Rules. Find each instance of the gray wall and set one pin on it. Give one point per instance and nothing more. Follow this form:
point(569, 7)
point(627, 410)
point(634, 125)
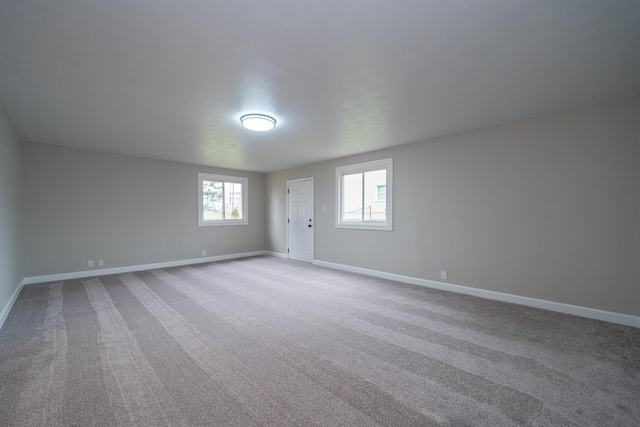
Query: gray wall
point(545, 208)
point(84, 205)
point(12, 254)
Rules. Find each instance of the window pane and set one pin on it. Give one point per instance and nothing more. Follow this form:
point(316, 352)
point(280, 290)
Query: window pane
point(365, 195)
point(211, 200)
point(222, 200)
point(374, 208)
point(352, 197)
point(233, 200)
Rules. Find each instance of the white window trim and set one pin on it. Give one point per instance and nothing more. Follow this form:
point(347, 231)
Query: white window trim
point(364, 167)
point(224, 178)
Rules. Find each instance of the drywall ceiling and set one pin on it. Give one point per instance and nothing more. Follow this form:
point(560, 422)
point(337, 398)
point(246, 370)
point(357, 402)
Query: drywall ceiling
point(169, 79)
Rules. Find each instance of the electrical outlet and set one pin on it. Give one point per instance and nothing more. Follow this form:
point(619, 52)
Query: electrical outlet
point(443, 275)
point(90, 264)
point(100, 263)
point(204, 253)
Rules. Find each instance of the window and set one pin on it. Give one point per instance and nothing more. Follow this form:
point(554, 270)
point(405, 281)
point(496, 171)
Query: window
point(364, 195)
point(222, 200)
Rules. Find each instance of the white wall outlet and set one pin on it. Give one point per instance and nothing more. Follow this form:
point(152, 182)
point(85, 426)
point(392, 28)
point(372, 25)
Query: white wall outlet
point(204, 253)
point(90, 264)
point(443, 275)
point(100, 263)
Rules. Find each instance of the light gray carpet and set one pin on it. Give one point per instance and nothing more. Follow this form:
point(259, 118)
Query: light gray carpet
point(267, 341)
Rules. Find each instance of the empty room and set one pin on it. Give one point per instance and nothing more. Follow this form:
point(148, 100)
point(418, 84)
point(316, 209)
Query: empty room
point(334, 213)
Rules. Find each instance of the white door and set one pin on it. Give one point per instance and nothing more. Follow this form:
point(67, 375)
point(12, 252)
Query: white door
point(300, 224)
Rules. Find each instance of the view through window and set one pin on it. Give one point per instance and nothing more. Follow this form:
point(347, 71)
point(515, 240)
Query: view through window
point(222, 199)
point(363, 195)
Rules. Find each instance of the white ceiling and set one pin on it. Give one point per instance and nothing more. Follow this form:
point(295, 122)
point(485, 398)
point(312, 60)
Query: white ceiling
point(169, 79)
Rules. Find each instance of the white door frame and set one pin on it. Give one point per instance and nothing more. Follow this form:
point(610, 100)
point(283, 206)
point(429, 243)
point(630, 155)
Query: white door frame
point(313, 221)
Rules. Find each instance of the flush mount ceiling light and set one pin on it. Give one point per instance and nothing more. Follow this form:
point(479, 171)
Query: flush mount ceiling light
point(258, 122)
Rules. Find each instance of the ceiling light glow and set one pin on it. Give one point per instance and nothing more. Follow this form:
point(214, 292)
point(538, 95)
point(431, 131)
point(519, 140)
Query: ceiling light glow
point(258, 122)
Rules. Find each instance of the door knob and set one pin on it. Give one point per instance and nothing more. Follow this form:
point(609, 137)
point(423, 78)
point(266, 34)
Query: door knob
point(309, 225)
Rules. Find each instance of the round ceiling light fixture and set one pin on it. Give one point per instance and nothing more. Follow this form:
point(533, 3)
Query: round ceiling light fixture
point(258, 122)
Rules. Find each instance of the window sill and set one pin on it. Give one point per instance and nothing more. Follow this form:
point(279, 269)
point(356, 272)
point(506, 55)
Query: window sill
point(221, 223)
point(360, 226)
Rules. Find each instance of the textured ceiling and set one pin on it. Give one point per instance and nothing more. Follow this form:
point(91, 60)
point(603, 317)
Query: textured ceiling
point(169, 80)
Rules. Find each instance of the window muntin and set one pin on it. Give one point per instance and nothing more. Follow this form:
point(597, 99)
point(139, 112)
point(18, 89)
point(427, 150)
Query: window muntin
point(222, 200)
point(364, 196)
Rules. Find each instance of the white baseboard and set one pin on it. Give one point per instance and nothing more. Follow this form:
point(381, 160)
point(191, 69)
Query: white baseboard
point(276, 254)
point(7, 308)
point(591, 313)
point(128, 269)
